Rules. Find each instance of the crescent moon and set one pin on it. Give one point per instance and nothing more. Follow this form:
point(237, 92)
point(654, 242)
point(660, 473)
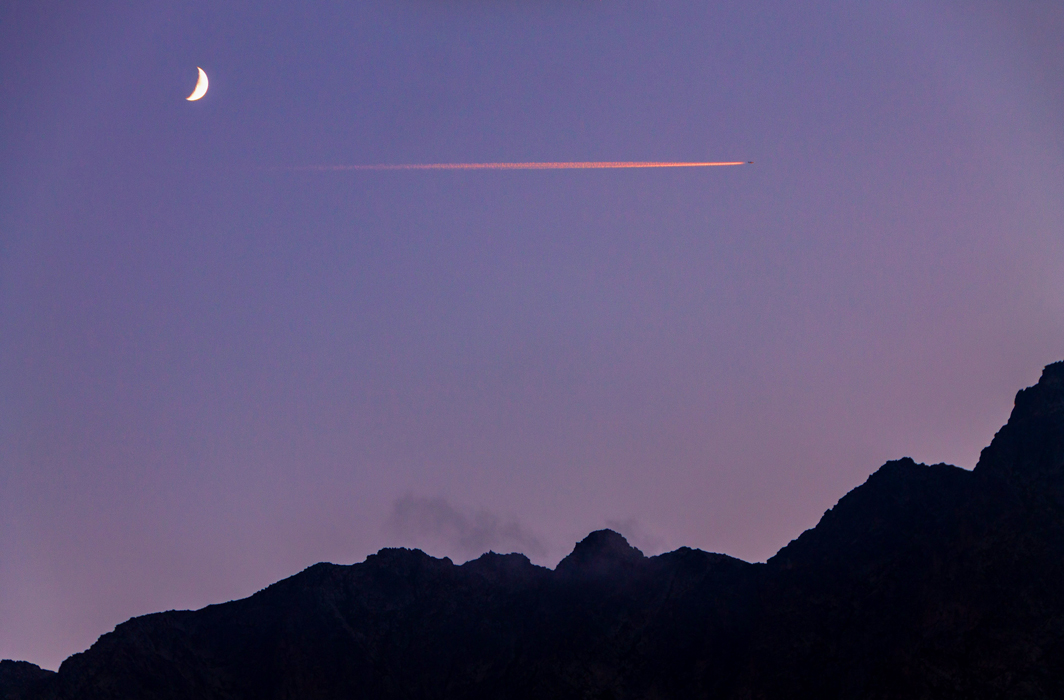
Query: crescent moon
point(201, 86)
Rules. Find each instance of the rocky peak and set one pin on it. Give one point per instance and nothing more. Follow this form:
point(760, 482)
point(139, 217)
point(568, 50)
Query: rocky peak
point(503, 569)
point(1029, 451)
point(602, 553)
point(19, 677)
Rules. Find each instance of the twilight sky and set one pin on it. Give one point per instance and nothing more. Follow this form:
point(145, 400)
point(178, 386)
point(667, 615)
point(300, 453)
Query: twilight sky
point(215, 372)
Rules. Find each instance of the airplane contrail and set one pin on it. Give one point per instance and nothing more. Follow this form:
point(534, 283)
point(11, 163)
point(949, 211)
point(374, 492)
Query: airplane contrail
point(519, 166)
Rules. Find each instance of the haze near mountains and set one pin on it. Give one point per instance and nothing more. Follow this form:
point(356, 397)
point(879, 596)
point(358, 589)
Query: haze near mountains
point(924, 582)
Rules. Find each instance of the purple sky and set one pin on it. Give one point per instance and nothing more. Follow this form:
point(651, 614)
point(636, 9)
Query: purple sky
point(214, 372)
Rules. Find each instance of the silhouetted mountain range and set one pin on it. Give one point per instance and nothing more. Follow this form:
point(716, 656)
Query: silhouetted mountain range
point(924, 582)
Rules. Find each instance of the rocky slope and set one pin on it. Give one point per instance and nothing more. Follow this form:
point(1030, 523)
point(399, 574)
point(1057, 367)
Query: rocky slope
point(924, 582)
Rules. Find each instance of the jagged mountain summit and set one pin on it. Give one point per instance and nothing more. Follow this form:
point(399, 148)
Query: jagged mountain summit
point(923, 582)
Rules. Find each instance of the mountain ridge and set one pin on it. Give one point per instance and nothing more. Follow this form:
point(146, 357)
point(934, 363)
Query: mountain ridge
point(926, 581)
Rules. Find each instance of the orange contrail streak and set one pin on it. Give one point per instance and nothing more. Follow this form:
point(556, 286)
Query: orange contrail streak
point(520, 166)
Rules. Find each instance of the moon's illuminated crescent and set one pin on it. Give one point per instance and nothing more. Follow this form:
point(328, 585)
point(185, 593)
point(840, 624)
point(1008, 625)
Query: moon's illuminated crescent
point(201, 86)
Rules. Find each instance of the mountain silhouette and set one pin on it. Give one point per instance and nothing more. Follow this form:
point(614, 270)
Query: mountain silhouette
point(923, 582)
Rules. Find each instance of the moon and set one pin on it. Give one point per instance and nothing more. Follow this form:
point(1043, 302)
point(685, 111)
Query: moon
point(201, 86)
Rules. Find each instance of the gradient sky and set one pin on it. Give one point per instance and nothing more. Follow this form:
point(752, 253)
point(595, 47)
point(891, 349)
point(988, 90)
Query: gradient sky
point(215, 371)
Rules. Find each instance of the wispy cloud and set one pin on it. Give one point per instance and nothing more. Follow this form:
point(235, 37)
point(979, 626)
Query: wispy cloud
point(421, 521)
point(637, 535)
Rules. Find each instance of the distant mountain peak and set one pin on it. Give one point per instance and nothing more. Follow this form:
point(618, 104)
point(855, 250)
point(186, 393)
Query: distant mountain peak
point(18, 677)
point(602, 552)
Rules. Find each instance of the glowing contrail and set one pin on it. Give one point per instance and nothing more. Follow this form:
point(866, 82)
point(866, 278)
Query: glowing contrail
point(519, 166)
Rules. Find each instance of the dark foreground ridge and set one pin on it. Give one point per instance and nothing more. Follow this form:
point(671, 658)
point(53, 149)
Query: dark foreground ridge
point(923, 582)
